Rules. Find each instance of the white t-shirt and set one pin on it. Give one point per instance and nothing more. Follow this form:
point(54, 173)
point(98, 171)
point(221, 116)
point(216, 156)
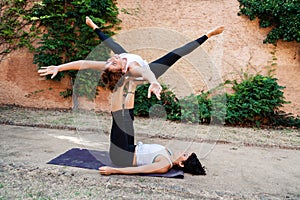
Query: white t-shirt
point(146, 153)
point(133, 58)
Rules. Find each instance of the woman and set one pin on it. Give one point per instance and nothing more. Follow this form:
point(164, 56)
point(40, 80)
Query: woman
point(124, 62)
point(125, 66)
point(142, 158)
point(154, 158)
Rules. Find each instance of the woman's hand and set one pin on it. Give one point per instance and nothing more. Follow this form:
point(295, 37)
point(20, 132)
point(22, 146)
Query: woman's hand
point(48, 70)
point(156, 88)
point(105, 170)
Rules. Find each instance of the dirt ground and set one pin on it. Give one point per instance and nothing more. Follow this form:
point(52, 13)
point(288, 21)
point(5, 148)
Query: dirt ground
point(242, 163)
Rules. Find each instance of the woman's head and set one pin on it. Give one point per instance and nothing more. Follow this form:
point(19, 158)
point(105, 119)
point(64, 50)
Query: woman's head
point(113, 75)
point(190, 164)
point(115, 64)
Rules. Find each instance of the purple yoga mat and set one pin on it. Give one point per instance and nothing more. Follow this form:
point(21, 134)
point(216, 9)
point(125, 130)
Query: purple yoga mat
point(93, 159)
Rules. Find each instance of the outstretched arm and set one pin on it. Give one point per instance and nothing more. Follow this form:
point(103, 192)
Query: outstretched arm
point(158, 167)
point(76, 65)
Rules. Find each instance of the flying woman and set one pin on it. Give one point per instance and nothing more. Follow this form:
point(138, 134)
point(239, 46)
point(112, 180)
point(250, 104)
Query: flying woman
point(119, 72)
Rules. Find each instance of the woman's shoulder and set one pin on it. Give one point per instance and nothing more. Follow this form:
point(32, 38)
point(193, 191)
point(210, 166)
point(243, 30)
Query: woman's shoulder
point(130, 55)
point(164, 159)
point(134, 59)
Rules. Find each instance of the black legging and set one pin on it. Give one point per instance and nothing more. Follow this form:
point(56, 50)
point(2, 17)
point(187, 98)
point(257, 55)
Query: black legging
point(122, 132)
point(122, 146)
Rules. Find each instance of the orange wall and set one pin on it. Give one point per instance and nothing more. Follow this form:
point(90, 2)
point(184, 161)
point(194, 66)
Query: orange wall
point(154, 27)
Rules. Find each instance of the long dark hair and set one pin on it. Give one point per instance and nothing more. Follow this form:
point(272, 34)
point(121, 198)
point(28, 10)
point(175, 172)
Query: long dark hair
point(192, 165)
point(112, 80)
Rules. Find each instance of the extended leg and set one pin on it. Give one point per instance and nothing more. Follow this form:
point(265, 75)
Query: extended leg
point(108, 41)
point(162, 64)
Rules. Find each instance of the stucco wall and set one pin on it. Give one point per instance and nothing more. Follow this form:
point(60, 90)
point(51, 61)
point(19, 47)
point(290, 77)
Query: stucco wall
point(20, 84)
point(152, 28)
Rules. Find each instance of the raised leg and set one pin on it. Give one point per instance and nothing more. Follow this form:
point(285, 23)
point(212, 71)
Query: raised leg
point(108, 41)
point(122, 138)
point(161, 65)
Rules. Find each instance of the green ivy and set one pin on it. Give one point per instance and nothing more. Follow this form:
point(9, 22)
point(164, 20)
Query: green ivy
point(62, 35)
point(68, 38)
point(15, 26)
point(282, 16)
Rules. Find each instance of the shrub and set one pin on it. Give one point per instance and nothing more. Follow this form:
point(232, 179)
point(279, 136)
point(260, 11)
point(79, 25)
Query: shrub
point(255, 99)
point(190, 109)
point(168, 101)
point(218, 108)
point(282, 119)
point(196, 108)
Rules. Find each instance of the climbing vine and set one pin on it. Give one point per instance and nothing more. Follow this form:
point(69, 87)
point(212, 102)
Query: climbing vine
point(15, 26)
point(282, 16)
point(58, 27)
point(68, 38)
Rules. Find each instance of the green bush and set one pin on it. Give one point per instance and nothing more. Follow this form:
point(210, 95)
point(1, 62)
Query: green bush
point(195, 109)
point(282, 119)
point(218, 108)
point(168, 101)
point(282, 16)
point(256, 101)
point(190, 109)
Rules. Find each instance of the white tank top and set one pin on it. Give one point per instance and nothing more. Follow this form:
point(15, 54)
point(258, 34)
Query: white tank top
point(134, 58)
point(146, 153)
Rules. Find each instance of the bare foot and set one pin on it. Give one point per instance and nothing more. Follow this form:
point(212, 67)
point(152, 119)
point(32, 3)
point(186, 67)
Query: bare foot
point(90, 23)
point(215, 31)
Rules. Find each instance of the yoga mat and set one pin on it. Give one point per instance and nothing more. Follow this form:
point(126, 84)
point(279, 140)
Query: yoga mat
point(93, 159)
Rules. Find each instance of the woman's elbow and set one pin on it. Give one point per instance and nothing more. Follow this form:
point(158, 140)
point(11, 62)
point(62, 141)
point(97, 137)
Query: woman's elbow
point(162, 170)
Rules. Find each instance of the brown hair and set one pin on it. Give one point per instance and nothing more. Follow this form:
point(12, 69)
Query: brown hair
point(112, 80)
